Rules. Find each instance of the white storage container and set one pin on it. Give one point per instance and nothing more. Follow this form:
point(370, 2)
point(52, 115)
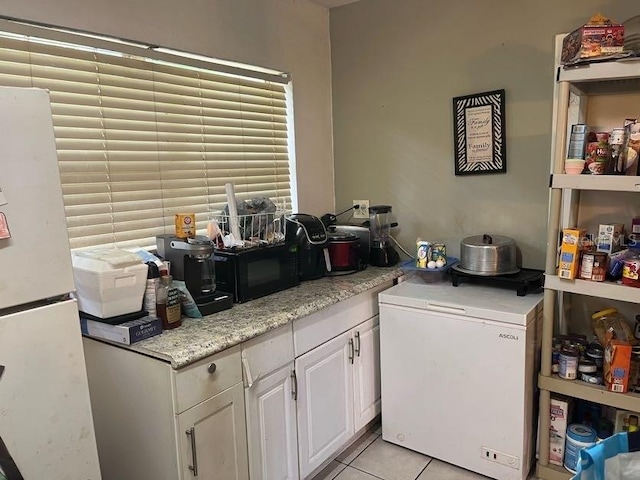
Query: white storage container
point(109, 282)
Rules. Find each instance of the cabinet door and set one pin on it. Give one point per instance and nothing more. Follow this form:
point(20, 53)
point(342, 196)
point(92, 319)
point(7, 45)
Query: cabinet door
point(366, 375)
point(325, 401)
point(271, 427)
point(212, 438)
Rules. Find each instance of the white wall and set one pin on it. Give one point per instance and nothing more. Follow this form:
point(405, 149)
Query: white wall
point(397, 64)
point(288, 35)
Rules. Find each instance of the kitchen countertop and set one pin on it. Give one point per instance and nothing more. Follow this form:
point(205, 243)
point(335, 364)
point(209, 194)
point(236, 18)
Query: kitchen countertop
point(198, 338)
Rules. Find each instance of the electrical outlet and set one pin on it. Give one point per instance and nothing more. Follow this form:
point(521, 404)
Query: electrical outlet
point(501, 458)
point(363, 209)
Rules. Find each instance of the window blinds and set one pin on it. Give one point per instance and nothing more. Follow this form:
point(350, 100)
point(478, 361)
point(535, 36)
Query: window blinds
point(140, 140)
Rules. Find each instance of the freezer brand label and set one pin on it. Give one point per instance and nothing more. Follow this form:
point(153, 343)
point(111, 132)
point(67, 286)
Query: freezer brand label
point(508, 336)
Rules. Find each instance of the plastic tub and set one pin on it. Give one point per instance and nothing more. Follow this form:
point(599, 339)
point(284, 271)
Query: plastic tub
point(578, 437)
point(428, 275)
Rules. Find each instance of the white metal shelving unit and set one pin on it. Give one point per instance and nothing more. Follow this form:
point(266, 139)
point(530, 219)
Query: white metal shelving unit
point(573, 92)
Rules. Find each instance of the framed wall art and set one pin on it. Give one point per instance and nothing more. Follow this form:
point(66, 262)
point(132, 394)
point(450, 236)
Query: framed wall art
point(479, 133)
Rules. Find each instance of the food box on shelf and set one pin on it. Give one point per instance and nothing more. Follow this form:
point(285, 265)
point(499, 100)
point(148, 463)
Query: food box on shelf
point(570, 252)
point(617, 363)
point(609, 237)
point(599, 37)
point(560, 412)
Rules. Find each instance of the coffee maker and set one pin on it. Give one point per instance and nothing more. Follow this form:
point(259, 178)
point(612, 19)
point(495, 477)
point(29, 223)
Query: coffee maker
point(192, 262)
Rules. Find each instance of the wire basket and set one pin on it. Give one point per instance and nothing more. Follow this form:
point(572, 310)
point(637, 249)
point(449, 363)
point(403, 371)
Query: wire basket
point(254, 230)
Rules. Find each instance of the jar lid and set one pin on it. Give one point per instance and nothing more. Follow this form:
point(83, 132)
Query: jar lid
point(587, 366)
point(581, 433)
point(604, 313)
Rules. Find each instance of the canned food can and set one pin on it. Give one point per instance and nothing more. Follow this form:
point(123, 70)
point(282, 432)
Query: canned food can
point(439, 252)
point(593, 266)
point(423, 253)
point(185, 225)
point(568, 365)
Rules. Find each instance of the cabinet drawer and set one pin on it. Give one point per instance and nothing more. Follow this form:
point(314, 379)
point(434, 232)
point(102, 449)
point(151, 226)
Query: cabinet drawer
point(267, 353)
point(319, 327)
point(195, 383)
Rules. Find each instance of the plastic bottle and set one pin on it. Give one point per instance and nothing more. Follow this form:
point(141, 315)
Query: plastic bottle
point(168, 303)
point(153, 280)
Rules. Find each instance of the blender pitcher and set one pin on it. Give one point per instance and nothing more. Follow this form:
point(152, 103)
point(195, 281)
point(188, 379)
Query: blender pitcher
point(382, 254)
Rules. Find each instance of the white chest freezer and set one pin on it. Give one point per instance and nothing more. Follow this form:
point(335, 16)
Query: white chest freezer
point(458, 371)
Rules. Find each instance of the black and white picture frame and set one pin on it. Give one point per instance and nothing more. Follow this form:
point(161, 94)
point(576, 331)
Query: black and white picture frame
point(479, 133)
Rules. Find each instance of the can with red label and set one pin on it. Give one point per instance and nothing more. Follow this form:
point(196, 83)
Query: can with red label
point(631, 270)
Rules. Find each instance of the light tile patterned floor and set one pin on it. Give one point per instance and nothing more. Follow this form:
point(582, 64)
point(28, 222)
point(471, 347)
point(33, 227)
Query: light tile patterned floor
point(371, 458)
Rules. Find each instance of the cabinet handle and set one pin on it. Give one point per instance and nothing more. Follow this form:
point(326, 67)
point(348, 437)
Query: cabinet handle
point(358, 344)
point(212, 368)
point(191, 433)
point(351, 350)
point(294, 385)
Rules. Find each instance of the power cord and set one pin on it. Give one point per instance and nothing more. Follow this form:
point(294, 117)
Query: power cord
point(401, 248)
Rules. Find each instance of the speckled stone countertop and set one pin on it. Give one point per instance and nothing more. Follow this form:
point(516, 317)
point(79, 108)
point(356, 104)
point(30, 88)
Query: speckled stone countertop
point(199, 338)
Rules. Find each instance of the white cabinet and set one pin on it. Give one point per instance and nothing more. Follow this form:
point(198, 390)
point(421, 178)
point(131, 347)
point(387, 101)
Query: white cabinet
point(338, 392)
point(366, 374)
point(213, 441)
point(600, 95)
point(271, 427)
point(270, 393)
point(143, 410)
point(325, 401)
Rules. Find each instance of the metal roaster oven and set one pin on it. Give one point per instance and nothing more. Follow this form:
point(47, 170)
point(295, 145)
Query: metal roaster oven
point(192, 262)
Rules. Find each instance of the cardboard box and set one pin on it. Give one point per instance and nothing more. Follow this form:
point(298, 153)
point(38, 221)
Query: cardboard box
point(560, 412)
point(617, 362)
point(597, 38)
point(570, 252)
point(609, 238)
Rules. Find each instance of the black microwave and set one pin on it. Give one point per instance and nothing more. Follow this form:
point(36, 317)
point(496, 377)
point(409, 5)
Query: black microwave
point(256, 272)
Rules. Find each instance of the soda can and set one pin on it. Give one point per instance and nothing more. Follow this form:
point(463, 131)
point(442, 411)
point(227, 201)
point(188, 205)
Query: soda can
point(423, 254)
point(439, 252)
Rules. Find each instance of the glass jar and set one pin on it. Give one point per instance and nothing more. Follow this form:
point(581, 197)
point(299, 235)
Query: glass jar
point(168, 303)
point(631, 270)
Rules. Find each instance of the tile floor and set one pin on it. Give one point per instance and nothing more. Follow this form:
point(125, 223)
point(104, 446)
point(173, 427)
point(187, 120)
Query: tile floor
point(371, 458)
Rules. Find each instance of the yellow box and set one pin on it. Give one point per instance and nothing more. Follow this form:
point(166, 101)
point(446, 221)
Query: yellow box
point(570, 252)
point(185, 225)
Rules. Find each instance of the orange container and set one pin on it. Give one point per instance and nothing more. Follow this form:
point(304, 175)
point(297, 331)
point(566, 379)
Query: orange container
point(185, 225)
point(617, 363)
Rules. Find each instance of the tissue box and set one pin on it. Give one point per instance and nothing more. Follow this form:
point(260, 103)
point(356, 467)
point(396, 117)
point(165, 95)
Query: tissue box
point(593, 40)
point(109, 282)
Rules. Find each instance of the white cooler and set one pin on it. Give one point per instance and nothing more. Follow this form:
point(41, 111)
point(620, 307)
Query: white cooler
point(109, 282)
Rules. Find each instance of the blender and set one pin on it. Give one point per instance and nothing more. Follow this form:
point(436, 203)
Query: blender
point(382, 253)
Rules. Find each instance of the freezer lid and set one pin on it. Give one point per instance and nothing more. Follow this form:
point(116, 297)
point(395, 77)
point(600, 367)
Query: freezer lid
point(476, 301)
point(36, 261)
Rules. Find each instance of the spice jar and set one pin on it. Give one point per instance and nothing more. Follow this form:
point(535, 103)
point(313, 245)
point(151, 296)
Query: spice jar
point(568, 363)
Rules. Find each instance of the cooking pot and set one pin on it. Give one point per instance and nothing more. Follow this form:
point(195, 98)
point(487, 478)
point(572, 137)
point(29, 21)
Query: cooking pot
point(344, 252)
point(488, 255)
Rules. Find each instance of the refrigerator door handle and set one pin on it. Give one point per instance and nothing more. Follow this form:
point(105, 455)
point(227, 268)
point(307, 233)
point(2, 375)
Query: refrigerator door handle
point(434, 307)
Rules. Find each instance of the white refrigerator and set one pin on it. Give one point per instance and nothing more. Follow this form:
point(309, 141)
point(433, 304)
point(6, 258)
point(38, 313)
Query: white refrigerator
point(45, 412)
point(458, 373)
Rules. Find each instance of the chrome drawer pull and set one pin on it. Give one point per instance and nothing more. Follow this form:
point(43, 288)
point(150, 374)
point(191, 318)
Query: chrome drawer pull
point(191, 433)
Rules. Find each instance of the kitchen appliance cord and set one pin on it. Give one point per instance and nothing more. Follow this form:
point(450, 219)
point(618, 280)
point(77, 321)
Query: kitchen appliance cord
point(400, 247)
